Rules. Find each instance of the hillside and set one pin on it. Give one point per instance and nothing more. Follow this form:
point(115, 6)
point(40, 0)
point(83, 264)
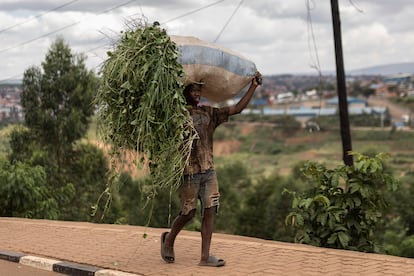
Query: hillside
point(386, 69)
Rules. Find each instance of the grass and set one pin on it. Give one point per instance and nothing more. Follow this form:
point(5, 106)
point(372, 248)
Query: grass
point(266, 151)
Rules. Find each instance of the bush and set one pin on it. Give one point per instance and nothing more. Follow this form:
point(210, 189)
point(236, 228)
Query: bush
point(345, 207)
point(264, 209)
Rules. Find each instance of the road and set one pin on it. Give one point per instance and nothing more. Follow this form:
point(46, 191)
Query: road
point(8, 268)
point(396, 111)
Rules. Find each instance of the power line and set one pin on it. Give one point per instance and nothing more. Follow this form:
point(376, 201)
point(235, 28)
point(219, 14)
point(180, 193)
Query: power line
point(37, 16)
point(172, 19)
point(106, 11)
point(56, 31)
point(311, 38)
point(228, 21)
point(60, 29)
point(193, 11)
point(39, 37)
point(116, 7)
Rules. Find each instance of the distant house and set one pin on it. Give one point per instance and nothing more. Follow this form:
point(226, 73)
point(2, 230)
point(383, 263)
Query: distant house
point(11, 113)
point(356, 106)
point(398, 79)
point(352, 102)
point(382, 90)
point(259, 102)
point(403, 82)
point(285, 97)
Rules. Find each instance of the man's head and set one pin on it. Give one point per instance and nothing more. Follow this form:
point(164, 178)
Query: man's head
point(192, 93)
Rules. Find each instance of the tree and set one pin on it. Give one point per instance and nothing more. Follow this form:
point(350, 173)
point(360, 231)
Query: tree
point(265, 207)
point(57, 99)
point(88, 171)
point(24, 193)
point(234, 181)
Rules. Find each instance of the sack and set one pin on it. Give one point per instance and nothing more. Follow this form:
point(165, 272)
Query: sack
point(223, 72)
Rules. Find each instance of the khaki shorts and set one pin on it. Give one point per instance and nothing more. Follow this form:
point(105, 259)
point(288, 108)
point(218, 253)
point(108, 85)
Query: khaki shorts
point(202, 186)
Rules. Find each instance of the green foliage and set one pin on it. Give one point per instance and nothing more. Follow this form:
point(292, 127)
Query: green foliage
point(24, 192)
point(345, 207)
point(57, 98)
point(394, 234)
point(402, 202)
point(264, 209)
point(88, 172)
point(407, 247)
point(286, 125)
point(361, 90)
point(234, 182)
point(21, 144)
point(140, 210)
point(370, 120)
point(363, 120)
point(141, 105)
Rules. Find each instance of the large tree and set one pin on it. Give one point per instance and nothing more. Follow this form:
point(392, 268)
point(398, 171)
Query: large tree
point(57, 99)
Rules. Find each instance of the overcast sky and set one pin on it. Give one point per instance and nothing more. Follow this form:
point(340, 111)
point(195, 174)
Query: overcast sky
point(279, 36)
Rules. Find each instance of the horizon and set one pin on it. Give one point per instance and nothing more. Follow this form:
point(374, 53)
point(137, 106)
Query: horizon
point(354, 72)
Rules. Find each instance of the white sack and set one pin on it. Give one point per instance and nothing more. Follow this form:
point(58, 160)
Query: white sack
point(223, 72)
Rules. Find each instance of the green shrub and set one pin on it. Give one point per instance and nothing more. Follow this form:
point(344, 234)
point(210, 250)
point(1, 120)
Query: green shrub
point(345, 207)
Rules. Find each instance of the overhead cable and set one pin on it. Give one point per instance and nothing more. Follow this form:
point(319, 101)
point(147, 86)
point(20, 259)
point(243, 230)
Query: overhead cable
point(37, 16)
point(60, 29)
point(193, 11)
point(228, 21)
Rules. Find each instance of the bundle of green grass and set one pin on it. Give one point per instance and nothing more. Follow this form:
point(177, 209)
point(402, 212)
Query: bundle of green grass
point(141, 106)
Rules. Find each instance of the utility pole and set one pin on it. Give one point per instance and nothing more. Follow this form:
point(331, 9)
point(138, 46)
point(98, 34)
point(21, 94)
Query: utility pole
point(341, 86)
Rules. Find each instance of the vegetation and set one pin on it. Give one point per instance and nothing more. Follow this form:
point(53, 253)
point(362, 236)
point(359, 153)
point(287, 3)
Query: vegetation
point(48, 170)
point(46, 173)
point(346, 206)
point(141, 106)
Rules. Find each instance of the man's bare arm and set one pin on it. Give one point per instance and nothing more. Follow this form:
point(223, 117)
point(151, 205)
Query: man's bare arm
point(237, 108)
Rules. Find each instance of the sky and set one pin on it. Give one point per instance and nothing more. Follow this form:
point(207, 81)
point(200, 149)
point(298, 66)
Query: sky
point(279, 36)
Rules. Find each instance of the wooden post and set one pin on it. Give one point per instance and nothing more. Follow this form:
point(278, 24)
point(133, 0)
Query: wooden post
point(341, 86)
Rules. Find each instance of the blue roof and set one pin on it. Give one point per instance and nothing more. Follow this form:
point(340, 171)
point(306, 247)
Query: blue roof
point(350, 100)
point(259, 102)
point(311, 112)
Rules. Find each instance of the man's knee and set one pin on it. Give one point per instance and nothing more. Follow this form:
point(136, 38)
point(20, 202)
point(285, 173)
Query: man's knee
point(190, 215)
point(211, 211)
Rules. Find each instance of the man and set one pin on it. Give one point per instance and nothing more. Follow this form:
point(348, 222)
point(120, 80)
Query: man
point(200, 180)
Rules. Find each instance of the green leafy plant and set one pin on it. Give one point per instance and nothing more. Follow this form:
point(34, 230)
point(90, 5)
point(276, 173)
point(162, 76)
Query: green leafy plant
point(141, 106)
point(346, 205)
point(24, 192)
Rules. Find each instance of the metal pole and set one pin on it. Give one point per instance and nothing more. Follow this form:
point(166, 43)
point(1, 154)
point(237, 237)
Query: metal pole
point(341, 86)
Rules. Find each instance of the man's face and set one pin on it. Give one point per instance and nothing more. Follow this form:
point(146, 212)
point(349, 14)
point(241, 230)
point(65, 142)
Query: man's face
point(194, 95)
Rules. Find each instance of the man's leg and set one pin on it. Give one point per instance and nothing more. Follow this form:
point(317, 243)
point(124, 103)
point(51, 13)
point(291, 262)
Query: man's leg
point(168, 239)
point(188, 191)
point(207, 227)
point(177, 226)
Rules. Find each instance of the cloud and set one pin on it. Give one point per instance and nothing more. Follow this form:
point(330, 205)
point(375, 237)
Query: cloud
point(279, 36)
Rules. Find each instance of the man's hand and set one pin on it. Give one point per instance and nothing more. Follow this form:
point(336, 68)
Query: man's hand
point(257, 80)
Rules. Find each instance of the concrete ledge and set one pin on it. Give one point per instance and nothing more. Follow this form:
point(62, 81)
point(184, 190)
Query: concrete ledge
point(10, 256)
point(109, 272)
point(73, 269)
point(37, 262)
